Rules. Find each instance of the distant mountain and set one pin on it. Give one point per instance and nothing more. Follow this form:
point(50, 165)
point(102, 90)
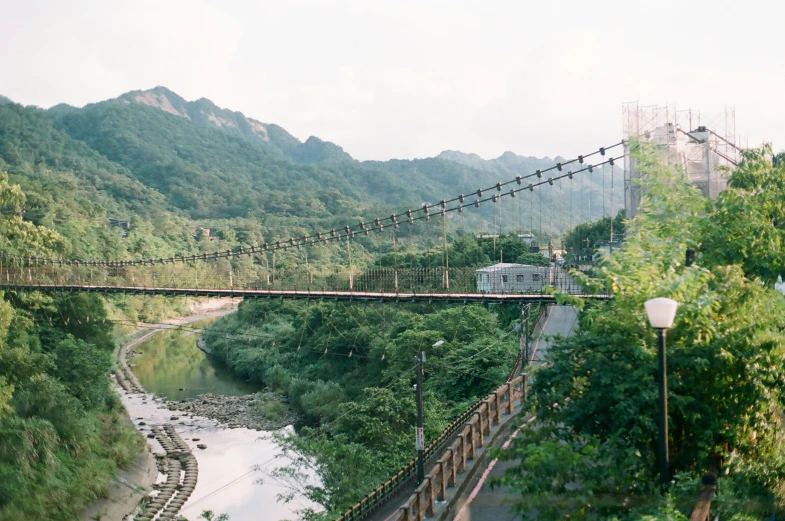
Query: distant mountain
point(3, 100)
point(150, 154)
point(214, 163)
point(508, 164)
point(202, 111)
point(585, 194)
point(272, 138)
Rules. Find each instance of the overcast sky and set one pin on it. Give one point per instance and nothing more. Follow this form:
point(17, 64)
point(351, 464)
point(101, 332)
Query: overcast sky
point(412, 78)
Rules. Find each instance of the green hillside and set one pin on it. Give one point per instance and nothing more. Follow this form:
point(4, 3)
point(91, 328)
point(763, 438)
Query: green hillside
point(172, 166)
point(215, 163)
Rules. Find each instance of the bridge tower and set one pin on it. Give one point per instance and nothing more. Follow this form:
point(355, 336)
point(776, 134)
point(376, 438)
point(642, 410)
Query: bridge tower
point(698, 146)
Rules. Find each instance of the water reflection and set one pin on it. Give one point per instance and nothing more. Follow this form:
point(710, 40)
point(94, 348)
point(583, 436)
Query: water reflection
point(227, 480)
point(171, 365)
point(171, 360)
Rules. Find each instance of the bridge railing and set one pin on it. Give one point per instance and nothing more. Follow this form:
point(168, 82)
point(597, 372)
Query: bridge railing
point(472, 427)
point(454, 460)
point(221, 275)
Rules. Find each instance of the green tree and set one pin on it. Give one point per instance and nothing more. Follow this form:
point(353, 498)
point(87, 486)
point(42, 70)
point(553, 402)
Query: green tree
point(584, 239)
point(747, 223)
point(597, 389)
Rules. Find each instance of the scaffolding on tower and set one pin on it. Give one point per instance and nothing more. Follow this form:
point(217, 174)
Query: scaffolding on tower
point(697, 144)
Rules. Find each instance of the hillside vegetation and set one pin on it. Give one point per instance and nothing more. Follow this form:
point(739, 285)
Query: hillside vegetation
point(202, 162)
point(62, 428)
point(348, 370)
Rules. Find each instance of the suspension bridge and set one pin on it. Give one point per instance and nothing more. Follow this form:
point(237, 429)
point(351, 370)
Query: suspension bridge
point(247, 272)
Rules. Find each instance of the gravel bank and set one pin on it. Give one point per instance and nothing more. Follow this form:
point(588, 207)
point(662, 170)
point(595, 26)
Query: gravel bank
point(233, 411)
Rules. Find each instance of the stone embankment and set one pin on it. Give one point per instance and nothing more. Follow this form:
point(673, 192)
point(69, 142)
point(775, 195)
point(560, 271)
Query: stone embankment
point(170, 496)
point(125, 377)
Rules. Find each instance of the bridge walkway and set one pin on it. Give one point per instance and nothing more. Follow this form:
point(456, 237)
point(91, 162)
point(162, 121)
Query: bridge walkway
point(558, 320)
point(478, 502)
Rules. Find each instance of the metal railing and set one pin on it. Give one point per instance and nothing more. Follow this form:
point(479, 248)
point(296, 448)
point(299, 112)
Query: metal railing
point(222, 276)
point(453, 461)
point(380, 494)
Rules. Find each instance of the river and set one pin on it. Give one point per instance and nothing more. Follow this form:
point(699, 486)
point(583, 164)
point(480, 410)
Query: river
point(173, 367)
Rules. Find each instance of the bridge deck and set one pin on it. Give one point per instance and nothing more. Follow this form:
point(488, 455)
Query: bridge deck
point(296, 294)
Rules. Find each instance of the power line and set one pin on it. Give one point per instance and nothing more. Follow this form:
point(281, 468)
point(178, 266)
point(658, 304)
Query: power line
point(350, 409)
point(347, 233)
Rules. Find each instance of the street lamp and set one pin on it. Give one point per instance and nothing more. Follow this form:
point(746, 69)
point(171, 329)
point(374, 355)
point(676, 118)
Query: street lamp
point(419, 433)
point(661, 312)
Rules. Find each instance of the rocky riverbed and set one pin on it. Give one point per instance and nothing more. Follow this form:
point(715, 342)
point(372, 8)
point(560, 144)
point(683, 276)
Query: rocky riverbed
point(225, 462)
point(233, 411)
point(205, 433)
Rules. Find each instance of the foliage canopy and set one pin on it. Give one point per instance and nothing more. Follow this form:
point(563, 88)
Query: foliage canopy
point(596, 395)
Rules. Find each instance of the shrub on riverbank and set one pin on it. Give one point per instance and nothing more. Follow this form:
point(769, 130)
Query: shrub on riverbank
point(269, 407)
point(62, 431)
point(348, 371)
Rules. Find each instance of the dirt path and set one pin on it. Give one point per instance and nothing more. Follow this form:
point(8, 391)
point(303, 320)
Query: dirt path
point(130, 485)
point(480, 502)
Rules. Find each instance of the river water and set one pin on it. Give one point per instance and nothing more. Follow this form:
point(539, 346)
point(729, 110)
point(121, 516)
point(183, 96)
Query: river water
point(171, 365)
point(227, 481)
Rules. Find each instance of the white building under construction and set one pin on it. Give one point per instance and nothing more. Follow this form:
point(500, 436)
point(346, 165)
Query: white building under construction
point(698, 147)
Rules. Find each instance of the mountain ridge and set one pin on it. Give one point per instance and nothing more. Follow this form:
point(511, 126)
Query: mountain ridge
point(193, 159)
point(313, 149)
point(277, 139)
point(273, 138)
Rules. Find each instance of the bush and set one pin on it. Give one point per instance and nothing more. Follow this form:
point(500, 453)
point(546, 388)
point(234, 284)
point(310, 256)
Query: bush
point(269, 407)
point(277, 378)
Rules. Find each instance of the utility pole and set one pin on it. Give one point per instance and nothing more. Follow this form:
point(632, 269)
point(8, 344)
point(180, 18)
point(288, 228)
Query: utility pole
point(610, 243)
point(525, 311)
point(419, 435)
point(525, 339)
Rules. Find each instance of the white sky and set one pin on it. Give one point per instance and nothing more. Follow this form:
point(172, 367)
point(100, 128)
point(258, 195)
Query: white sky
point(412, 78)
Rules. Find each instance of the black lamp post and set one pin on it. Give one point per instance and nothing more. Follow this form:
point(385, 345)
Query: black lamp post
point(661, 312)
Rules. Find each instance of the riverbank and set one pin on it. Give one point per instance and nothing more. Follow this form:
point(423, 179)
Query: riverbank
point(126, 489)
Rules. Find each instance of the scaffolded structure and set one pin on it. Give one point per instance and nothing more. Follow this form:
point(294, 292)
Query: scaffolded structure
point(698, 147)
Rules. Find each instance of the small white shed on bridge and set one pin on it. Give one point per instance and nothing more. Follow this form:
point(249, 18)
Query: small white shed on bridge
point(507, 277)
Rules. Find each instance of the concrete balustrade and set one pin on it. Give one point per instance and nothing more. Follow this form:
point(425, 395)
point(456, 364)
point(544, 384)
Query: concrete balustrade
point(491, 410)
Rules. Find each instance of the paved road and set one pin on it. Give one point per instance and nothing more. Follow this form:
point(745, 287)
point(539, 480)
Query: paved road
point(479, 502)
